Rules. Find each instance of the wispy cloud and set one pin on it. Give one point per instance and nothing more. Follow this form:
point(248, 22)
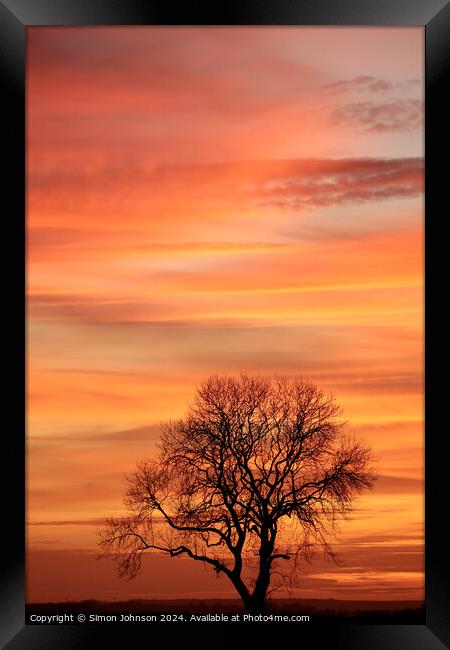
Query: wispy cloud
point(401, 115)
point(68, 522)
point(217, 190)
point(399, 485)
point(335, 182)
point(369, 84)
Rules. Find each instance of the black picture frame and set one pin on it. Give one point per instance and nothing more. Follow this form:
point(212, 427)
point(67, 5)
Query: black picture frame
point(15, 17)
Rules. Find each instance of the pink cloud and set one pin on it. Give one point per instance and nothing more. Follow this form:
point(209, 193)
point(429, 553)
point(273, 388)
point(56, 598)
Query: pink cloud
point(401, 115)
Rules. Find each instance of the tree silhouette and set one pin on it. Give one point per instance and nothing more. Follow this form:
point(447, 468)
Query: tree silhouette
point(259, 471)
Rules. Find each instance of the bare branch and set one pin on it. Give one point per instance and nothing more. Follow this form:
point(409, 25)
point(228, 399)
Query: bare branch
point(259, 468)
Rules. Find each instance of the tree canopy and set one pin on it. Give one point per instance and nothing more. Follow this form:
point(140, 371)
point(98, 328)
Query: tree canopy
point(258, 472)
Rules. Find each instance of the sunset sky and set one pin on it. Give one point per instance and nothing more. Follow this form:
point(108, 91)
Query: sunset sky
point(217, 200)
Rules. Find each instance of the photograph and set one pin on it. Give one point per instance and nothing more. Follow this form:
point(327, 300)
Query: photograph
point(225, 324)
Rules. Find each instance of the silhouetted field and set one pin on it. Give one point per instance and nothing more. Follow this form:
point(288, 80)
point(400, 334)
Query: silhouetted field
point(333, 611)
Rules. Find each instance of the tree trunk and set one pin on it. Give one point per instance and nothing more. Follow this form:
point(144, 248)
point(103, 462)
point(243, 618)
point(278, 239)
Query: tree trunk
point(258, 599)
point(242, 590)
point(256, 604)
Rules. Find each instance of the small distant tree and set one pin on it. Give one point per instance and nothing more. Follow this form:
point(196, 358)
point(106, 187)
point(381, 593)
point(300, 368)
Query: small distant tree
point(257, 473)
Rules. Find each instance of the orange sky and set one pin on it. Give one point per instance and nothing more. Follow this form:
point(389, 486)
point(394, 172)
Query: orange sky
point(215, 200)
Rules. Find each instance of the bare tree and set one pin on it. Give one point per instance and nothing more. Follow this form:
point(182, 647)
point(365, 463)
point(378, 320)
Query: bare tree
point(259, 470)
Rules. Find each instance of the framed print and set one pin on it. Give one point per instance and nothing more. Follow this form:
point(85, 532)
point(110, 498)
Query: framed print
point(225, 417)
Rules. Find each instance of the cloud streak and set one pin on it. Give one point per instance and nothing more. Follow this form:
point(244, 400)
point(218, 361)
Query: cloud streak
point(402, 115)
point(178, 578)
point(369, 84)
point(327, 183)
point(219, 191)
